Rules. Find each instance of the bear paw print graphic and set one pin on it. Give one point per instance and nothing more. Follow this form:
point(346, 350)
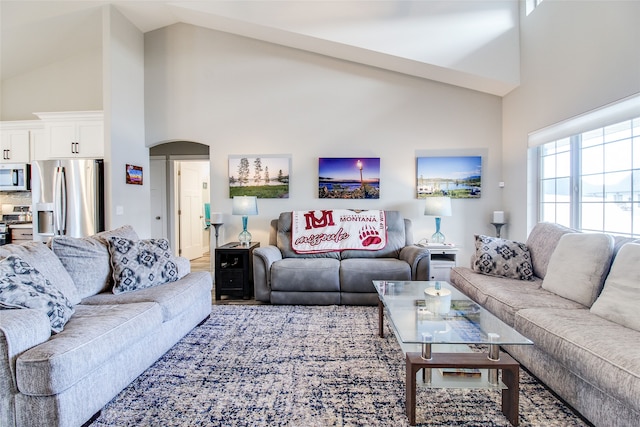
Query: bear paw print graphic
point(369, 236)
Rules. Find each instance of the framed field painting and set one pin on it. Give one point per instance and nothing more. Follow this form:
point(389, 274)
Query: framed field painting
point(455, 176)
point(263, 176)
point(349, 178)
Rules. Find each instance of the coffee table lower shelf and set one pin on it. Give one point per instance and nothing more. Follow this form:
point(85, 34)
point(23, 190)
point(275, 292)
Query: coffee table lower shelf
point(510, 377)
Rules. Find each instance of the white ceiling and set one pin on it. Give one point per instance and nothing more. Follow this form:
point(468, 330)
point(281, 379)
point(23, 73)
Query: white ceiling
point(469, 43)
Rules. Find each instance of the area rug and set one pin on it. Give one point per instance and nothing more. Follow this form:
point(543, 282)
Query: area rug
point(263, 365)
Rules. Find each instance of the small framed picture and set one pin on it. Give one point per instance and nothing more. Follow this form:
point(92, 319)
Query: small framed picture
point(134, 174)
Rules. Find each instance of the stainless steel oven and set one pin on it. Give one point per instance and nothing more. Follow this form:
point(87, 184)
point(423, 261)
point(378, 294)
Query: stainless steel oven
point(15, 177)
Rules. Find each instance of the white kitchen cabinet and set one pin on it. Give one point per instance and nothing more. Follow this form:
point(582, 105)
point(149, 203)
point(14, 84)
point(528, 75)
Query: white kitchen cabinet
point(16, 139)
point(74, 134)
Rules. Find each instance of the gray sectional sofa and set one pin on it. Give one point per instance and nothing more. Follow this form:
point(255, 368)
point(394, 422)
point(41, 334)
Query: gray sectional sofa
point(580, 310)
point(64, 378)
point(282, 276)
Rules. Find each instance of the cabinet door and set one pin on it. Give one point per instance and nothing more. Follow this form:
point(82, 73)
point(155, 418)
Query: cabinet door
point(15, 146)
point(90, 140)
point(62, 136)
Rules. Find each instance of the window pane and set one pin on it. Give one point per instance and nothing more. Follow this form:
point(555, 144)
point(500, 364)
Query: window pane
point(617, 131)
point(548, 167)
point(548, 213)
point(592, 187)
point(591, 215)
point(636, 127)
point(636, 152)
point(548, 191)
point(617, 187)
point(563, 164)
point(563, 190)
point(563, 214)
point(617, 218)
point(617, 155)
point(563, 145)
point(592, 138)
point(592, 160)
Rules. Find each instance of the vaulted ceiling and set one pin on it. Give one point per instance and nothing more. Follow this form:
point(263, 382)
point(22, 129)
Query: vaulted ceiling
point(468, 43)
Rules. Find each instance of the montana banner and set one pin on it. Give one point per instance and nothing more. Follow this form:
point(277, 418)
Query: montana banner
point(330, 230)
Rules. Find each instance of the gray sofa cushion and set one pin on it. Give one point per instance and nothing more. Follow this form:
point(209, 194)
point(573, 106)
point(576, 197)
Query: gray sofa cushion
point(174, 297)
point(87, 259)
point(579, 266)
point(311, 274)
point(357, 274)
point(93, 335)
point(40, 257)
point(620, 298)
point(542, 242)
point(396, 239)
point(601, 352)
point(503, 296)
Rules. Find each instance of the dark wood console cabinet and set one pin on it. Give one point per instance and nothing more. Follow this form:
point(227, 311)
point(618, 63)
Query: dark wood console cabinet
point(234, 270)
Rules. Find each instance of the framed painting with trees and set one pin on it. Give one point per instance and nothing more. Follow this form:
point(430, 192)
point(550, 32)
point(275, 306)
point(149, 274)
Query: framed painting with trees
point(263, 176)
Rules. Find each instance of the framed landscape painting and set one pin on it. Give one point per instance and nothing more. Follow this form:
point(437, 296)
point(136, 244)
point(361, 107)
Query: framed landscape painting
point(455, 176)
point(265, 176)
point(349, 178)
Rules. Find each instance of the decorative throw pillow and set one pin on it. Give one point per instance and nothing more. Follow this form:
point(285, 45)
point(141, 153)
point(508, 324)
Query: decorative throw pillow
point(139, 264)
point(620, 298)
point(578, 266)
point(501, 257)
point(22, 286)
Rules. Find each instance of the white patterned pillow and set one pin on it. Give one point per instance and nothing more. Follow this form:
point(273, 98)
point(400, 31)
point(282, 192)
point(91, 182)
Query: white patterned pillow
point(501, 257)
point(22, 286)
point(139, 264)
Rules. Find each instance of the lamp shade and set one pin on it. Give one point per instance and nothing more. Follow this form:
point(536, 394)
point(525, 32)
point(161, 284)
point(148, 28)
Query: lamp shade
point(245, 205)
point(438, 206)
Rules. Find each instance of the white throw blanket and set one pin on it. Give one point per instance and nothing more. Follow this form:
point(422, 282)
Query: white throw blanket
point(330, 230)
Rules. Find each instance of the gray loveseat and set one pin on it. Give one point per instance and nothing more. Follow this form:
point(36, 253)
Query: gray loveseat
point(585, 351)
point(282, 276)
point(63, 379)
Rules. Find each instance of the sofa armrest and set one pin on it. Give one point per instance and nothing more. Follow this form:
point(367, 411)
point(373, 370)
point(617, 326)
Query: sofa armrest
point(418, 258)
point(263, 258)
point(20, 329)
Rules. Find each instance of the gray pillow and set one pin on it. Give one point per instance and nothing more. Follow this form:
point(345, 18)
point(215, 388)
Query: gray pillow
point(501, 257)
point(578, 266)
point(620, 298)
point(139, 264)
point(40, 257)
point(22, 286)
point(87, 259)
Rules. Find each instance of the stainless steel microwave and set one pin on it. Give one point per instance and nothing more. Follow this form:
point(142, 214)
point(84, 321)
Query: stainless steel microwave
point(15, 177)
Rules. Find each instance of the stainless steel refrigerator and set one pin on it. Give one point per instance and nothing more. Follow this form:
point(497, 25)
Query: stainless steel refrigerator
point(68, 197)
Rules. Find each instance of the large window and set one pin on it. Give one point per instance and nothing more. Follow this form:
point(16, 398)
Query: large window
point(591, 181)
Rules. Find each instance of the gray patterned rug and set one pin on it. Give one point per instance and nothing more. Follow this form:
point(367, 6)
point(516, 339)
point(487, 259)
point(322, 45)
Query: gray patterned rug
point(304, 366)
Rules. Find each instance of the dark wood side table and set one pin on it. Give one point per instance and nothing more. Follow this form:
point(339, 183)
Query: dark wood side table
point(234, 270)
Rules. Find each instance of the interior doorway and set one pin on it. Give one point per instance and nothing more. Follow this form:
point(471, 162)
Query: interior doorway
point(180, 188)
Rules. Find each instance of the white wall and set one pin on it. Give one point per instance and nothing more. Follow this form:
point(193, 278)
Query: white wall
point(576, 56)
point(124, 123)
point(70, 84)
point(242, 96)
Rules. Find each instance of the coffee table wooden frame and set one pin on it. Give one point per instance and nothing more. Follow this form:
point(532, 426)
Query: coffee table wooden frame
point(416, 361)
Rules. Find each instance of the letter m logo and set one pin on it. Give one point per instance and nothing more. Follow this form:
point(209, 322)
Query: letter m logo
point(325, 220)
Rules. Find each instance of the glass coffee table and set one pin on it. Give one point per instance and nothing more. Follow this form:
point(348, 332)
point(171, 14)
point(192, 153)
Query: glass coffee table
point(435, 324)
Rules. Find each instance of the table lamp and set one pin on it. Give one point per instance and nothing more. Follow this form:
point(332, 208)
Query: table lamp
point(245, 206)
point(438, 207)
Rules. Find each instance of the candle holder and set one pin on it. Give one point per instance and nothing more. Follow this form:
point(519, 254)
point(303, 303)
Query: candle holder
point(498, 226)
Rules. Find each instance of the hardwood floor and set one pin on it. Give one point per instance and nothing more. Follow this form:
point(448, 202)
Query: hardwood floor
point(204, 264)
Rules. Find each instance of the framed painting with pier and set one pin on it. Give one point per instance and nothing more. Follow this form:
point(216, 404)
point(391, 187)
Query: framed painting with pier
point(349, 177)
